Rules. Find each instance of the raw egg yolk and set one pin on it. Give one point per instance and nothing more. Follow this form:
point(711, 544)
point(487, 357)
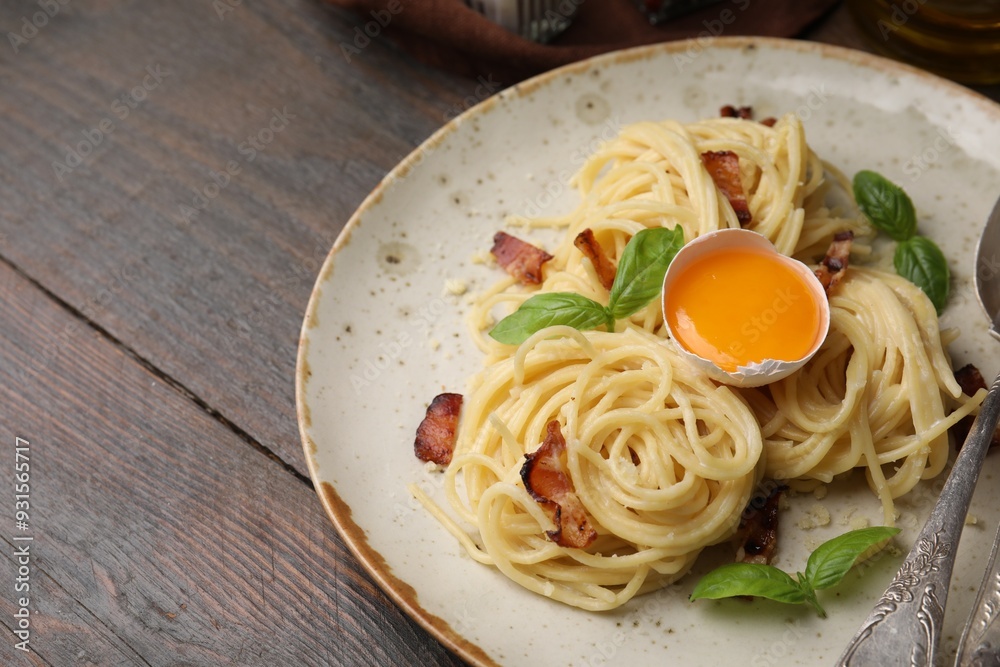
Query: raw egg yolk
point(739, 306)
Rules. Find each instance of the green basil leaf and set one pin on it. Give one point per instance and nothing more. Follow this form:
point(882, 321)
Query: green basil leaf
point(738, 579)
point(885, 204)
point(920, 261)
point(643, 264)
point(831, 560)
point(546, 310)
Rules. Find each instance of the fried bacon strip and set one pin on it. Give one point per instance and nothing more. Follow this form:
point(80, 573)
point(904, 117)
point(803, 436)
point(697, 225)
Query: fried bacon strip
point(546, 480)
point(831, 270)
point(970, 380)
point(519, 258)
point(746, 113)
point(729, 111)
point(724, 168)
point(758, 533)
point(587, 243)
point(435, 439)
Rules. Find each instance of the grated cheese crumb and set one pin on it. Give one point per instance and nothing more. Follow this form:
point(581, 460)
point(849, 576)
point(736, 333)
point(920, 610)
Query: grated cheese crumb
point(818, 516)
point(860, 522)
point(819, 493)
point(456, 286)
point(434, 344)
point(483, 257)
point(848, 516)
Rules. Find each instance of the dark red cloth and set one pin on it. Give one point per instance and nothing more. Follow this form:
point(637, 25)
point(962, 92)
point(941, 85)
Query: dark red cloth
point(448, 34)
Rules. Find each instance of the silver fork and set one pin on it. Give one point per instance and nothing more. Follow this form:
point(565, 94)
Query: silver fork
point(980, 644)
point(904, 628)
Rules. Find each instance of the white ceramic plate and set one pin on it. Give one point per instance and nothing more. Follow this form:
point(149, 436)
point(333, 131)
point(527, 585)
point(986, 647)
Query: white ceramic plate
point(382, 336)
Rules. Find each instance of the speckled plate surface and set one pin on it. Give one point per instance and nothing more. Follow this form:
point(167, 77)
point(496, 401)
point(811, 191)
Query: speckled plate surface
point(383, 335)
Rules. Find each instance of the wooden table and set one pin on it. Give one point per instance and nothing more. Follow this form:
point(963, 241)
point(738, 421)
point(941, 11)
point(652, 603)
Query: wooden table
point(173, 174)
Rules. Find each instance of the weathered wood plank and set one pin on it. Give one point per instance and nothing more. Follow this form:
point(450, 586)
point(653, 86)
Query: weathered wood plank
point(69, 630)
point(213, 298)
point(159, 537)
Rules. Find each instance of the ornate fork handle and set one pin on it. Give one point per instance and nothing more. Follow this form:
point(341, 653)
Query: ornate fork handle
point(980, 644)
point(905, 625)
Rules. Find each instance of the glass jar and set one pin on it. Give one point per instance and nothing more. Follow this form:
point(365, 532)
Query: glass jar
point(958, 39)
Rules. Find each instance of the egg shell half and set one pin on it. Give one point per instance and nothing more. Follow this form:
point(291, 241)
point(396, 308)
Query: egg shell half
point(768, 370)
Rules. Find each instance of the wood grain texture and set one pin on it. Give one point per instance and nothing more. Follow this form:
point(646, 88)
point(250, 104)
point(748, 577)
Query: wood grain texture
point(215, 299)
point(160, 538)
point(165, 535)
point(212, 295)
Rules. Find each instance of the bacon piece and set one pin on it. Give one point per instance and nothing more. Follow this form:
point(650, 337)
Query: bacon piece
point(831, 270)
point(587, 243)
point(970, 380)
point(729, 111)
point(435, 439)
point(758, 533)
point(546, 480)
point(769, 121)
point(724, 168)
point(519, 258)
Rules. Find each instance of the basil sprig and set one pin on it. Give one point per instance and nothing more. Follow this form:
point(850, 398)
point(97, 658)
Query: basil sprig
point(920, 260)
point(917, 258)
point(638, 281)
point(885, 204)
point(547, 310)
point(826, 567)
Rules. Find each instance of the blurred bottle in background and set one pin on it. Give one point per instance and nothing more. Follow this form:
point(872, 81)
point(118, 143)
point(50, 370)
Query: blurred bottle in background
point(958, 39)
point(537, 20)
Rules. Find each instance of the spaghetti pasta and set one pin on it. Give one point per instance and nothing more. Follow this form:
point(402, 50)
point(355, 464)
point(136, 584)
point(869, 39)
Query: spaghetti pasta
point(663, 459)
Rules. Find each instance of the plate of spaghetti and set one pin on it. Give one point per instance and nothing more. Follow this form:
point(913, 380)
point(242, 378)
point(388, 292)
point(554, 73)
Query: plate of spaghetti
point(576, 475)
